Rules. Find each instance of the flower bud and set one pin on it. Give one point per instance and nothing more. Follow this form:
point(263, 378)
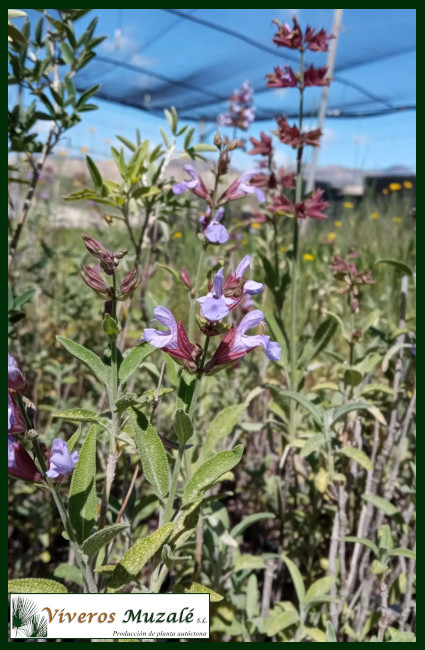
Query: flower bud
point(217, 140)
point(233, 145)
point(129, 284)
point(108, 260)
point(185, 277)
point(94, 280)
point(223, 163)
point(15, 377)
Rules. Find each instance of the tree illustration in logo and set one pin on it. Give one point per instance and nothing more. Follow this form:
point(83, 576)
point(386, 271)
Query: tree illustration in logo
point(26, 620)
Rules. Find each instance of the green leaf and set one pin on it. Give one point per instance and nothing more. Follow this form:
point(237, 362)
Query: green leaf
point(183, 427)
point(78, 415)
point(74, 439)
point(67, 53)
point(152, 453)
point(86, 95)
point(313, 443)
point(249, 562)
point(98, 540)
point(186, 390)
point(69, 572)
point(315, 411)
point(357, 455)
point(385, 538)
point(82, 493)
point(364, 541)
point(89, 358)
point(401, 266)
point(145, 192)
point(196, 588)
point(203, 146)
point(320, 340)
point(23, 298)
point(221, 427)
point(403, 552)
point(252, 597)
point(330, 632)
point(127, 143)
point(249, 521)
point(319, 588)
point(35, 586)
point(110, 327)
point(94, 173)
point(296, 579)
point(382, 504)
point(136, 557)
point(281, 621)
point(401, 637)
point(347, 408)
point(133, 360)
point(210, 472)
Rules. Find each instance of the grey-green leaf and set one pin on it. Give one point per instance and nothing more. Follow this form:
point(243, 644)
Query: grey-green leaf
point(36, 586)
point(133, 360)
point(381, 503)
point(221, 427)
point(152, 453)
point(183, 426)
point(281, 621)
point(316, 411)
point(319, 588)
point(78, 415)
point(249, 521)
point(330, 632)
point(296, 579)
point(82, 493)
point(357, 455)
point(364, 541)
point(100, 538)
point(210, 472)
point(89, 358)
point(69, 572)
point(136, 557)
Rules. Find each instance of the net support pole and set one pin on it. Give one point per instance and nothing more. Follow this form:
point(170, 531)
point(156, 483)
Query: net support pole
point(330, 63)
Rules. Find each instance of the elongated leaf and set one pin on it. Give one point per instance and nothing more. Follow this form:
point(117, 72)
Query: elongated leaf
point(296, 579)
point(89, 358)
point(364, 541)
point(320, 339)
point(330, 632)
point(357, 455)
point(74, 439)
point(319, 588)
point(210, 472)
point(94, 173)
point(249, 521)
point(183, 426)
point(312, 444)
point(35, 586)
point(78, 415)
point(401, 266)
point(403, 552)
point(133, 360)
point(152, 453)
point(221, 427)
point(136, 557)
point(196, 588)
point(315, 411)
point(248, 562)
point(82, 493)
point(98, 540)
point(347, 408)
point(86, 95)
point(69, 572)
point(186, 390)
point(281, 621)
point(127, 143)
point(381, 503)
point(203, 146)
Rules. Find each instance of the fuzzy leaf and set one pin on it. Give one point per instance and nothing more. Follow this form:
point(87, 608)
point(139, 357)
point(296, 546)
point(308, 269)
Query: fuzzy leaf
point(281, 621)
point(315, 411)
point(357, 455)
point(382, 504)
point(313, 443)
point(319, 588)
point(403, 552)
point(248, 521)
point(321, 338)
point(221, 427)
point(330, 633)
point(78, 415)
point(183, 426)
point(36, 586)
point(196, 588)
point(82, 493)
point(210, 472)
point(152, 453)
point(133, 361)
point(95, 542)
point(249, 562)
point(401, 266)
point(296, 579)
point(89, 358)
point(136, 557)
point(69, 572)
point(364, 541)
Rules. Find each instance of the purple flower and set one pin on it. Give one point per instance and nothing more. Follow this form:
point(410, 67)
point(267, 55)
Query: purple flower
point(214, 231)
point(15, 420)
point(19, 462)
point(414, 349)
point(240, 188)
point(215, 306)
point(250, 286)
point(196, 185)
point(62, 463)
point(15, 377)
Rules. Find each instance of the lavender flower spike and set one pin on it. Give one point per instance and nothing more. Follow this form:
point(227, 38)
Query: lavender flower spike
point(244, 343)
point(215, 306)
point(240, 188)
point(159, 338)
point(214, 231)
point(196, 185)
point(62, 462)
point(250, 286)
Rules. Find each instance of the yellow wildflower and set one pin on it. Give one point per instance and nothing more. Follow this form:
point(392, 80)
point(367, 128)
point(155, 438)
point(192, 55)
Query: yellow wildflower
point(106, 141)
point(177, 235)
point(337, 224)
point(308, 257)
point(408, 185)
point(84, 149)
point(331, 236)
point(394, 187)
point(385, 191)
point(397, 220)
point(282, 249)
point(256, 225)
point(348, 204)
point(374, 215)
point(244, 242)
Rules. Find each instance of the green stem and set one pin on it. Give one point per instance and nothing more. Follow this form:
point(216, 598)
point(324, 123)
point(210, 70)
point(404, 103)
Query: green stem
point(173, 489)
point(294, 279)
point(195, 292)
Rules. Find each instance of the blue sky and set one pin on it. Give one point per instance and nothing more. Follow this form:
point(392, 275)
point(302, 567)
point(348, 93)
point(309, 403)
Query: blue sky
point(163, 43)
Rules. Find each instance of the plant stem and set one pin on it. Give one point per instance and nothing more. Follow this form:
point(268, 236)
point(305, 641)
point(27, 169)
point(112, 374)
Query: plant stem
point(195, 292)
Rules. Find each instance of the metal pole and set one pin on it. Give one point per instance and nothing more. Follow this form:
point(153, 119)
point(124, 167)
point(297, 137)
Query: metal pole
point(336, 28)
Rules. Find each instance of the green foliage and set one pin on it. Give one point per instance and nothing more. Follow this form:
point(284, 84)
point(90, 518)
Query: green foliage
point(35, 586)
point(82, 493)
point(210, 472)
point(152, 453)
